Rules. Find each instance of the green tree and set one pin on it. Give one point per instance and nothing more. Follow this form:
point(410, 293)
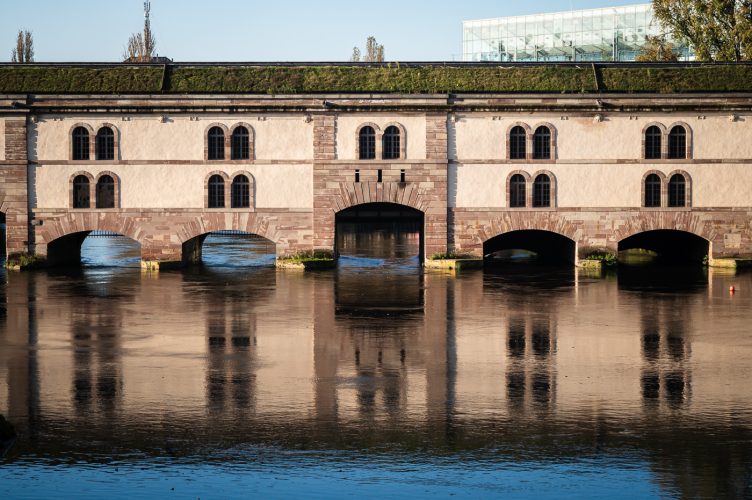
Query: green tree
point(657, 48)
point(718, 30)
point(24, 51)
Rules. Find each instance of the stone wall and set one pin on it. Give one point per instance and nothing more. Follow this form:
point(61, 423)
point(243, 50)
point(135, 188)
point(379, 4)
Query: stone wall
point(13, 186)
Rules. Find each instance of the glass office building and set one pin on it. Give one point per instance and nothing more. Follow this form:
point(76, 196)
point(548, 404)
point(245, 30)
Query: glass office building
point(608, 34)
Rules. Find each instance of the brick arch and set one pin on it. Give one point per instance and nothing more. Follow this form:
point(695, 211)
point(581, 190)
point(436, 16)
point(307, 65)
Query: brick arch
point(689, 138)
point(687, 185)
point(553, 183)
point(227, 140)
point(665, 220)
point(251, 187)
point(664, 188)
point(403, 137)
point(92, 135)
point(248, 222)
point(356, 193)
point(79, 222)
point(528, 187)
point(251, 140)
point(508, 222)
point(528, 140)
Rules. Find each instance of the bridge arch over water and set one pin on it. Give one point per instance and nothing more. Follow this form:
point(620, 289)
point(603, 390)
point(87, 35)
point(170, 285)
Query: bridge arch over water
point(670, 245)
point(547, 246)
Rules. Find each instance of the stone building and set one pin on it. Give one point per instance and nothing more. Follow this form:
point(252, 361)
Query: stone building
point(556, 158)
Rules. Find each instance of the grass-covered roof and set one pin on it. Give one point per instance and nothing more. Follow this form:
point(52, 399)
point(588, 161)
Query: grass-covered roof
point(431, 78)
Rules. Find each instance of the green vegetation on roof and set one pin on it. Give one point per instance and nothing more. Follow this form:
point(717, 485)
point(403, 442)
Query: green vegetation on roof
point(388, 78)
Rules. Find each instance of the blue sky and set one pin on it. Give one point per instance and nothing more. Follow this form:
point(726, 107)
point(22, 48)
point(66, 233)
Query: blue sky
point(237, 30)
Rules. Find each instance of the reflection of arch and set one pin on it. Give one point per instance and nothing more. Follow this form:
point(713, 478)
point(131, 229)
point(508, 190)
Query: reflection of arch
point(674, 244)
point(549, 246)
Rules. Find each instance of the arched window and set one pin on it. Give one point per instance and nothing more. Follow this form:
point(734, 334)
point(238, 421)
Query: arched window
point(517, 191)
point(677, 143)
point(542, 191)
point(542, 143)
point(105, 144)
point(677, 191)
point(80, 143)
point(241, 144)
point(216, 144)
point(216, 191)
point(517, 143)
point(652, 191)
point(81, 197)
point(391, 143)
point(367, 143)
point(241, 192)
point(653, 143)
point(105, 192)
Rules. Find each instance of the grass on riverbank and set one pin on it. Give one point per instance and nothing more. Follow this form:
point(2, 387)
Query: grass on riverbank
point(23, 260)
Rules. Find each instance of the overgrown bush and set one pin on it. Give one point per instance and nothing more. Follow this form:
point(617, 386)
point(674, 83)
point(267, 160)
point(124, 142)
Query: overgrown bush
point(25, 260)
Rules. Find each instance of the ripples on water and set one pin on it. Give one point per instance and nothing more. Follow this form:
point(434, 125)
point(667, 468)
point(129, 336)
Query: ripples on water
point(373, 379)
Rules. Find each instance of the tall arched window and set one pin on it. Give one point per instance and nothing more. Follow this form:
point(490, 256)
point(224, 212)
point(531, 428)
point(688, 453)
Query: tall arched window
point(653, 143)
point(105, 192)
point(391, 143)
point(677, 143)
point(542, 143)
point(517, 191)
point(241, 192)
point(81, 196)
point(367, 143)
point(80, 143)
point(216, 144)
point(652, 191)
point(216, 191)
point(241, 149)
point(677, 191)
point(517, 143)
point(542, 191)
point(105, 144)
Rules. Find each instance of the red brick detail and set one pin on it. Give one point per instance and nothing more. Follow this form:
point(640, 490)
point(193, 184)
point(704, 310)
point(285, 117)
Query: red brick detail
point(325, 137)
point(436, 137)
point(13, 187)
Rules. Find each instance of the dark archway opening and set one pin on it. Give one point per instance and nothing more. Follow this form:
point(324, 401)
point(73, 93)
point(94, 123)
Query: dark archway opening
point(3, 238)
point(529, 246)
point(663, 246)
point(377, 233)
point(94, 249)
point(229, 249)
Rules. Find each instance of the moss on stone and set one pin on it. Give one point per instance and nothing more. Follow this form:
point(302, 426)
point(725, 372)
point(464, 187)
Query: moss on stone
point(668, 80)
point(23, 79)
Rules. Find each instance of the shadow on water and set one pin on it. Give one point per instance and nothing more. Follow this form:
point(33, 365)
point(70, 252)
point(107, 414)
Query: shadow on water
point(659, 277)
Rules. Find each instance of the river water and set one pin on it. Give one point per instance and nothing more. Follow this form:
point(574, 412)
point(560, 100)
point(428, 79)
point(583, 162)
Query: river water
point(374, 379)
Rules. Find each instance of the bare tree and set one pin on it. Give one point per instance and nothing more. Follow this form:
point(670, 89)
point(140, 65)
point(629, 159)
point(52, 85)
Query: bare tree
point(24, 51)
point(142, 46)
point(374, 52)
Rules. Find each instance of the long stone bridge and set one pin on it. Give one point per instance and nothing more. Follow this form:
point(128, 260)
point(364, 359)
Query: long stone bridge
point(557, 158)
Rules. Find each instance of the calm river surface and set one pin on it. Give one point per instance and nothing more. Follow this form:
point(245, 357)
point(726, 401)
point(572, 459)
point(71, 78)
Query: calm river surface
point(373, 380)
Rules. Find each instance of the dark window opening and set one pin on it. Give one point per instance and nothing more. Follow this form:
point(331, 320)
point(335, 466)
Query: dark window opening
point(517, 191)
point(677, 191)
point(653, 191)
point(216, 191)
point(241, 145)
point(80, 144)
point(367, 144)
point(379, 175)
point(517, 143)
point(391, 143)
point(81, 196)
point(653, 143)
point(542, 191)
point(357, 176)
point(241, 192)
point(677, 143)
point(216, 144)
point(402, 175)
point(106, 192)
point(105, 144)
point(542, 144)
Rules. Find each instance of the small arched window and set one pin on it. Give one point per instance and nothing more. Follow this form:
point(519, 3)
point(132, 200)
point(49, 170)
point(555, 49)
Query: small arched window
point(677, 191)
point(367, 143)
point(216, 144)
point(542, 143)
point(652, 191)
point(542, 191)
point(105, 144)
point(216, 191)
point(517, 143)
point(517, 191)
point(241, 149)
point(241, 192)
point(677, 143)
point(391, 143)
point(105, 192)
point(653, 143)
point(81, 196)
point(80, 143)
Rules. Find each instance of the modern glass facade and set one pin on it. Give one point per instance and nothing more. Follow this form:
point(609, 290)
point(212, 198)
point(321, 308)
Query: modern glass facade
point(608, 34)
